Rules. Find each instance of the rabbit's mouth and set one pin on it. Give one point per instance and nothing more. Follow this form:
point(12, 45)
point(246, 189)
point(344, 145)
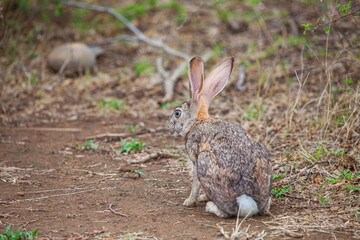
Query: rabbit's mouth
point(172, 131)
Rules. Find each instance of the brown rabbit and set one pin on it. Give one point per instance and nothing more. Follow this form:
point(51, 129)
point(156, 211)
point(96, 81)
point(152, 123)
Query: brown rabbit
point(234, 171)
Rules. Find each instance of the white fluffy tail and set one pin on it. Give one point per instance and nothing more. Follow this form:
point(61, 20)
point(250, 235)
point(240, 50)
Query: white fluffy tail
point(247, 206)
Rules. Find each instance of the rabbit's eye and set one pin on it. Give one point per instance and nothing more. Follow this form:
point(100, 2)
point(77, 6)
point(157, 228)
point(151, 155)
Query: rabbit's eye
point(177, 113)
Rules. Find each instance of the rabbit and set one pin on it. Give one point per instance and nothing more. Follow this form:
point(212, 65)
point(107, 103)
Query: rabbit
point(234, 171)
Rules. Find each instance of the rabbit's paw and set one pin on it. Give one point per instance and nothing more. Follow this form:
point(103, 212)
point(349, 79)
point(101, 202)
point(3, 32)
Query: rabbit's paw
point(203, 198)
point(190, 202)
point(212, 208)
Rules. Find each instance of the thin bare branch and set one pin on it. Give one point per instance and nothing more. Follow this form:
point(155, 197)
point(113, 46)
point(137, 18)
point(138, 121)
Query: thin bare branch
point(124, 135)
point(143, 38)
point(157, 155)
point(117, 213)
point(337, 19)
point(46, 129)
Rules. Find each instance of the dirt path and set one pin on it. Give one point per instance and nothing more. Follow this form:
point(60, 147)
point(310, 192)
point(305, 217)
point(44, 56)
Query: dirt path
point(47, 183)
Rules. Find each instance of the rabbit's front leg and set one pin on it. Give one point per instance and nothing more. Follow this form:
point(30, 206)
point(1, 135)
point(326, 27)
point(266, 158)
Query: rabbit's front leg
point(195, 187)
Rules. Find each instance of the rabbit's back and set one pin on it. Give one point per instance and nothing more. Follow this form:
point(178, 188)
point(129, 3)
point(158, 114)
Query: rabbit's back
point(229, 164)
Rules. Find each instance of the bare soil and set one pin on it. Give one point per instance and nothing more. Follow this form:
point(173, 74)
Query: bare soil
point(48, 184)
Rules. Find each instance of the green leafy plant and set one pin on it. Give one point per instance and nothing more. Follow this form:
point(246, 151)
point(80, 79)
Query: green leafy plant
point(324, 200)
point(344, 9)
point(348, 82)
point(114, 104)
point(352, 189)
point(134, 10)
point(88, 145)
point(180, 10)
point(172, 104)
point(17, 235)
point(277, 176)
point(279, 192)
point(345, 174)
point(217, 50)
point(143, 67)
point(138, 172)
point(253, 112)
point(132, 128)
point(133, 146)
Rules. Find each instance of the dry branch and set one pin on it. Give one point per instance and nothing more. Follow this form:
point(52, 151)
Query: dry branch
point(124, 135)
point(169, 80)
point(51, 196)
point(117, 213)
point(46, 129)
point(338, 19)
point(143, 38)
point(155, 156)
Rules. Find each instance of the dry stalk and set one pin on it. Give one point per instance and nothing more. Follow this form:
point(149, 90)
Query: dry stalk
point(297, 97)
point(47, 129)
point(117, 213)
point(155, 156)
point(124, 135)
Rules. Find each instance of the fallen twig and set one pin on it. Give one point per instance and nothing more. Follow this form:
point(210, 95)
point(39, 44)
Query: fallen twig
point(51, 196)
point(157, 155)
point(117, 213)
point(293, 234)
point(124, 135)
point(114, 39)
point(47, 129)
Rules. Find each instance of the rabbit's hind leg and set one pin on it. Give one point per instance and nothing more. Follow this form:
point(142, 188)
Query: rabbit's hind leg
point(212, 208)
point(247, 206)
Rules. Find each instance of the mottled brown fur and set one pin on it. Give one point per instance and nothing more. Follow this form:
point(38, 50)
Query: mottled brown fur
point(228, 164)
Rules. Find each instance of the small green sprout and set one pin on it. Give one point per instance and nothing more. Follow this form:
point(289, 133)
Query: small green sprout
point(132, 128)
point(279, 192)
point(139, 172)
point(143, 67)
point(88, 145)
point(277, 176)
point(306, 27)
point(133, 146)
point(114, 104)
point(324, 200)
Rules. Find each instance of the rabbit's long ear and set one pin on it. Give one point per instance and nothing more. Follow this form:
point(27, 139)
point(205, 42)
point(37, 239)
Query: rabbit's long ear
point(196, 77)
point(216, 80)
